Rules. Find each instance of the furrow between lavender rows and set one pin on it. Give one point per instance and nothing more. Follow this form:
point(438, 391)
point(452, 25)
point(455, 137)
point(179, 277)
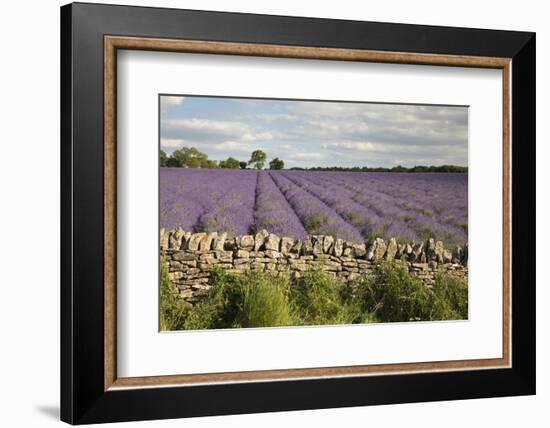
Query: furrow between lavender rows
point(385, 216)
point(364, 219)
point(448, 224)
point(443, 198)
point(408, 199)
point(317, 217)
point(353, 206)
point(273, 211)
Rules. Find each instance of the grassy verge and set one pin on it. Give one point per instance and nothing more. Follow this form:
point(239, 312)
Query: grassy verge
point(258, 299)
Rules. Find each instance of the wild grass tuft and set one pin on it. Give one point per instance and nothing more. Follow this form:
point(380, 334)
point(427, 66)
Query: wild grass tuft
point(392, 294)
point(317, 299)
point(265, 302)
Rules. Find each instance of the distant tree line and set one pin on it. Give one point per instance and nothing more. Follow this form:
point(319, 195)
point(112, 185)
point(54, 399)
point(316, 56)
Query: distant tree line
point(398, 168)
point(191, 157)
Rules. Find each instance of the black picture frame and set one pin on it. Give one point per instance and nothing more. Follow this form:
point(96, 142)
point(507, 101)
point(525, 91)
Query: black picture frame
point(83, 398)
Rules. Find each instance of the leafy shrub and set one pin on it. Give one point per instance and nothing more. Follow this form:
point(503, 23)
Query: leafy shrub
point(452, 294)
point(255, 299)
point(315, 222)
point(221, 306)
point(316, 300)
point(259, 299)
point(391, 294)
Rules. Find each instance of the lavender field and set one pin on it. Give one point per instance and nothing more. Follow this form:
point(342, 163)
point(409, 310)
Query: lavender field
point(355, 206)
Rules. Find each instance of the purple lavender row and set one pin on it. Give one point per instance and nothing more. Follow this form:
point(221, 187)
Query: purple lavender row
point(387, 217)
point(183, 196)
point(347, 205)
point(207, 200)
point(401, 217)
point(421, 213)
point(273, 212)
point(366, 220)
point(317, 217)
point(233, 210)
point(363, 219)
point(442, 196)
point(424, 224)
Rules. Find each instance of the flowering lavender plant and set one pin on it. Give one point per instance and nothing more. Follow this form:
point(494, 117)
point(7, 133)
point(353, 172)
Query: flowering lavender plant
point(354, 206)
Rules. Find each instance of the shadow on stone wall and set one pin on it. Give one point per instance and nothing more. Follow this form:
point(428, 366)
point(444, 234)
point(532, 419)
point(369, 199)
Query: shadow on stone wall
point(190, 257)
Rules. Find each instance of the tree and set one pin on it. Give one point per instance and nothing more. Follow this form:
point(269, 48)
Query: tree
point(163, 158)
point(243, 164)
point(172, 161)
point(399, 168)
point(212, 164)
point(190, 157)
point(230, 163)
point(276, 164)
point(258, 158)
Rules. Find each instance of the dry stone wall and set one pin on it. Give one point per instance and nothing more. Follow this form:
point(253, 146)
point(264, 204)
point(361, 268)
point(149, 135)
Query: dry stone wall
point(190, 257)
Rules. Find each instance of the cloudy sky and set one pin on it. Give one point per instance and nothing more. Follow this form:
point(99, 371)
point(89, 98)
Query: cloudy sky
point(315, 133)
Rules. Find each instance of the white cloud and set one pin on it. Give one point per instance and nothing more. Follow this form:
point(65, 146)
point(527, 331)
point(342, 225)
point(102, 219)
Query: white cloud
point(234, 146)
point(258, 136)
point(167, 101)
point(207, 130)
point(305, 155)
point(275, 116)
point(310, 133)
point(393, 148)
point(364, 147)
point(172, 143)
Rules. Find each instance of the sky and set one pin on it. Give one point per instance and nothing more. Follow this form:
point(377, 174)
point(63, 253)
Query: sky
point(316, 133)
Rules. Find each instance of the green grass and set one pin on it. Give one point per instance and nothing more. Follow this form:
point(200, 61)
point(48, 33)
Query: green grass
point(392, 294)
point(314, 222)
point(173, 310)
point(317, 299)
point(265, 302)
point(259, 299)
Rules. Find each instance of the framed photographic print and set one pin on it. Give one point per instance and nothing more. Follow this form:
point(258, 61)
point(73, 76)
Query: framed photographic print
point(265, 213)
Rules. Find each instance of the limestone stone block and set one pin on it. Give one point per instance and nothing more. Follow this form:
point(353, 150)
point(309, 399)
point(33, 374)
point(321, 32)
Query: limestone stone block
point(391, 251)
point(206, 242)
point(195, 240)
point(328, 242)
point(438, 251)
point(272, 242)
point(359, 250)
point(272, 254)
point(242, 254)
point(183, 256)
point(286, 245)
point(219, 241)
point(307, 247)
point(380, 249)
point(245, 242)
point(259, 239)
point(318, 245)
point(338, 247)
